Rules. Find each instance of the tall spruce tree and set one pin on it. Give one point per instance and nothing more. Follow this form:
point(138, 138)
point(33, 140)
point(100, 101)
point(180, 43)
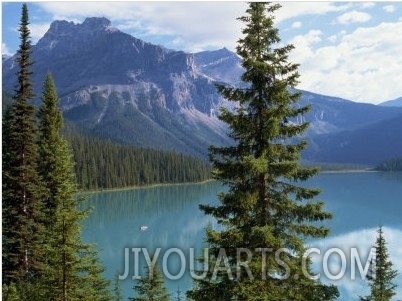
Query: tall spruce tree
point(21, 189)
point(381, 274)
point(72, 271)
point(151, 286)
point(265, 215)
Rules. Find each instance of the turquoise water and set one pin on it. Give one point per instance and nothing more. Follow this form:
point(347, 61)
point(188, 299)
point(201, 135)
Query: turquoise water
point(360, 203)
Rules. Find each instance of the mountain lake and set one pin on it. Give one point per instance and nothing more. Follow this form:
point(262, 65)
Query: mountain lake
point(359, 201)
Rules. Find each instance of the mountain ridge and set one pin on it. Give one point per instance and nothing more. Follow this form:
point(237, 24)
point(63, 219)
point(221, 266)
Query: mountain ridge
point(371, 144)
point(392, 103)
point(131, 91)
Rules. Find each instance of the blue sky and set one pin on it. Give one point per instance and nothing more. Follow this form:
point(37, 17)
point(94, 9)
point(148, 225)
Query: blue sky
point(346, 49)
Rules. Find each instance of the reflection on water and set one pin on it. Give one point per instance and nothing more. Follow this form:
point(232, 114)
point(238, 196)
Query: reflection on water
point(171, 214)
point(353, 284)
point(359, 201)
point(392, 176)
point(126, 204)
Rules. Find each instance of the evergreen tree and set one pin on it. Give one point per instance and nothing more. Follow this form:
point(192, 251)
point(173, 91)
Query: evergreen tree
point(93, 286)
point(265, 215)
point(151, 287)
point(381, 274)
point(71, 265)
point(10, 293)
point(103, 164)
point(117, 289)
point(21, 189)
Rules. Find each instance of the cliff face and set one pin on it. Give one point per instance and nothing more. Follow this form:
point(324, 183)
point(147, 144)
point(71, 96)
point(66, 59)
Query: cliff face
point(130, 91)
point(126, 89)
point(94, 56)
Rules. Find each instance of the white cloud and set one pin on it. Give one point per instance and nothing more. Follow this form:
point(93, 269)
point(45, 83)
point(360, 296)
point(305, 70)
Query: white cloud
point(364, 65)
point(192, 25)
point(353, 17)
point(389, 8)
point(183, 24)
point(296, 24)
point(333, 38)
point(304, 43)
point(4, 49)
point(367, 4)
point(296, 9)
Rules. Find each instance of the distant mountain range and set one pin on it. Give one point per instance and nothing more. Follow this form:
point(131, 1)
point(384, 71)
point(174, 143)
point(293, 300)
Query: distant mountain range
point(371, 144)
point(131, 91)
point(393, 103)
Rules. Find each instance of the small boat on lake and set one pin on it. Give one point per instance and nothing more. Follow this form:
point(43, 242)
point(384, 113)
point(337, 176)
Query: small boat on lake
point(143, 228)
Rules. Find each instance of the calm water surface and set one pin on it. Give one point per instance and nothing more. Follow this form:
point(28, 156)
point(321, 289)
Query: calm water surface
point(360, 203)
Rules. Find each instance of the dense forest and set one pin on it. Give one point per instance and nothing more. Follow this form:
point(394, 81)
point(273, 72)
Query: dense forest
point(103, 164)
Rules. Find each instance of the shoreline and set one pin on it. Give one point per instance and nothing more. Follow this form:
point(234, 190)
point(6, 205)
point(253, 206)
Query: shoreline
point(93, 191)
point(328, 171)
point(140, 187)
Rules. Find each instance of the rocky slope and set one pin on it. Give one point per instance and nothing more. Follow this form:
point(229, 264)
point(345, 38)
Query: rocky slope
point(131, 91)
point(126, 89)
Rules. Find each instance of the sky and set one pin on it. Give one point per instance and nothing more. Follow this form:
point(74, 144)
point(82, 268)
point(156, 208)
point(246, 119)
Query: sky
point(345, 49)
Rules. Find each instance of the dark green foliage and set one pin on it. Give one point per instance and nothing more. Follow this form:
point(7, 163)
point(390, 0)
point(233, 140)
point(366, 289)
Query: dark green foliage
point(151, 287)
point(390, 165)
point(72, 270)
point(54, 163)
point(13, 292)
point(264, 207)
point(10, 292)
point(31, 288)
point(21, 188)
point(43, 255)
point(6, 101)
point(381, 275)
point(93, 286)
point(103, 164)
point(117, 289)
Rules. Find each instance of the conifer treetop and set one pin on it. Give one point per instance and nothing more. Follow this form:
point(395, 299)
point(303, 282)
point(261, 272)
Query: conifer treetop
point(381, 274)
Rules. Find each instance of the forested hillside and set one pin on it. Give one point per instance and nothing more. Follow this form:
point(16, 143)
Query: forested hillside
point(103, 164)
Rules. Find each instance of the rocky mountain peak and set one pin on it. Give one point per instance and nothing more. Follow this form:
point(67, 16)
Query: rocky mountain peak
point(92, 24)
point(60, 26)
point(62, 30)
point(66, 38)
point(96, 23)
point(94, 53)
point(132, 91)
